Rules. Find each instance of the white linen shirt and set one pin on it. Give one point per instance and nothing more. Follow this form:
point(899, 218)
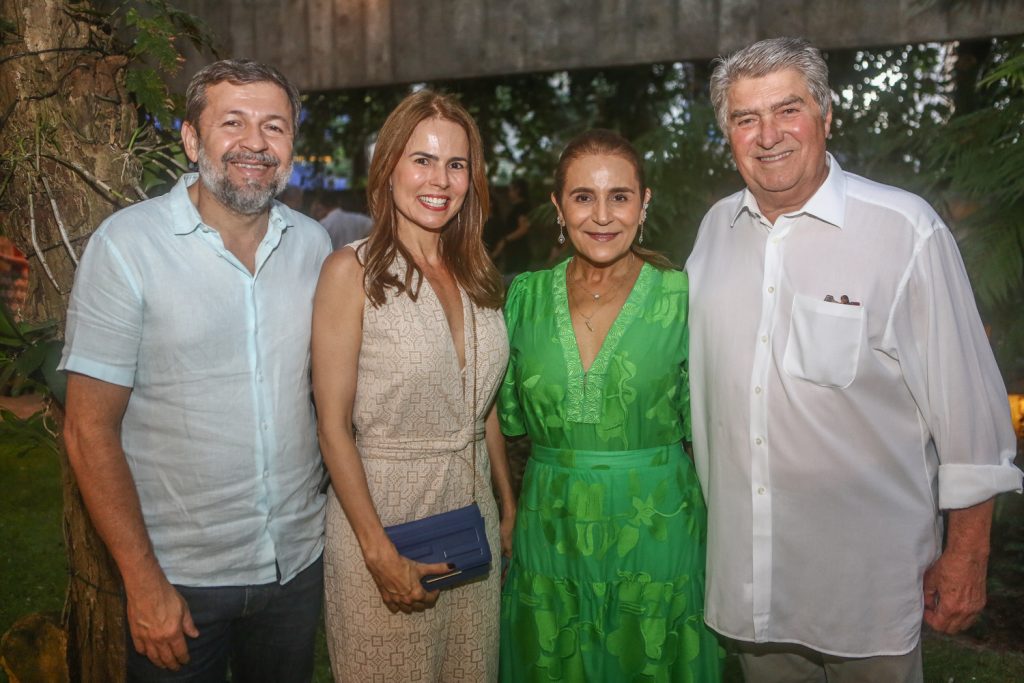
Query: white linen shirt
point(827, 436)
point(219, 431)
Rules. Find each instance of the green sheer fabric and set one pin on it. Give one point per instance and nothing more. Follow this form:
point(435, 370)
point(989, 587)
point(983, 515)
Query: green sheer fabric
point(607, 574)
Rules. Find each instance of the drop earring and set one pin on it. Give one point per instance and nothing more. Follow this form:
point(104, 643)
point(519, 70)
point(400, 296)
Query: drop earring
point(643, 219)
point(561, 230)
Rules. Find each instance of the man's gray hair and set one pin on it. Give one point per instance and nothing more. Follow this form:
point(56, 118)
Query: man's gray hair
point(766, 57)
point(236, 72)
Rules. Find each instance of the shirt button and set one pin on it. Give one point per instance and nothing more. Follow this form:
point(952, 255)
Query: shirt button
point(771, 290)
point(264, 426)
point(764, 338)
point(757, 390)
point(758, 441)
point(760, 490)
point(266, 474)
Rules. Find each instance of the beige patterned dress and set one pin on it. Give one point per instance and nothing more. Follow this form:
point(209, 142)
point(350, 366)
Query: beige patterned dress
point(413, 431)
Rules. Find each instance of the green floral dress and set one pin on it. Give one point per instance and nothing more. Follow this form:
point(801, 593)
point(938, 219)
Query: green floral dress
point(607, 574)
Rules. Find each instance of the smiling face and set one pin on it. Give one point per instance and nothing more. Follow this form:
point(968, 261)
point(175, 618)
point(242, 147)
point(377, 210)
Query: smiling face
point(601, 204)
point(243, 144)
point(778, 137)
point(430, 181)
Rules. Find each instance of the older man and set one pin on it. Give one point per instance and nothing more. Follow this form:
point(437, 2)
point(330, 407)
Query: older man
point(844, 393)
point(189, 422)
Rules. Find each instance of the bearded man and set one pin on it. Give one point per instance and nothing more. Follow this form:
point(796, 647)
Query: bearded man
point(189, 422)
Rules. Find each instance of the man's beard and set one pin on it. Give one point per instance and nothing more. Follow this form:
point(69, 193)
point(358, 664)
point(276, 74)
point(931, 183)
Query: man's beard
point(251, 197)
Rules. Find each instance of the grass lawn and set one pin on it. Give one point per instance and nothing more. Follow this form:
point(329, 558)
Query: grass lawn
point(33, 570)
point(33, 573)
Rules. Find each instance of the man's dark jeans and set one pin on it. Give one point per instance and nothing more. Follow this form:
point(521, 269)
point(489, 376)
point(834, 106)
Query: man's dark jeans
point(265, 632)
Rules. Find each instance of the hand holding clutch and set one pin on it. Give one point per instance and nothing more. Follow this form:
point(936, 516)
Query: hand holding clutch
point(455, 540)
point(399, 581)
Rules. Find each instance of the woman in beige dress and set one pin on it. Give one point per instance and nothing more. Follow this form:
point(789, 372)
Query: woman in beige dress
point(407, 329)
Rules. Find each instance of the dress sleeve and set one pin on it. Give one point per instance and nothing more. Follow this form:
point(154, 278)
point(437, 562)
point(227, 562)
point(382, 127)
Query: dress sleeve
point(949, 367)
point(104, 326)
point(510, 410)
point(684, 388)
point(684, 367)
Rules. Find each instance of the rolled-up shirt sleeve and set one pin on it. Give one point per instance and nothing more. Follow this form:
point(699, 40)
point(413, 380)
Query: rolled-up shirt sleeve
point(950, 369)
point(104, 324)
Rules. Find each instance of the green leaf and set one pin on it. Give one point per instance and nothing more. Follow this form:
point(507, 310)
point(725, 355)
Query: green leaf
point(22, 437)
point(9, 329)
point(30, 360)
point(56, 382)
point(150, 92)
point(155, 41)
point(629, 536)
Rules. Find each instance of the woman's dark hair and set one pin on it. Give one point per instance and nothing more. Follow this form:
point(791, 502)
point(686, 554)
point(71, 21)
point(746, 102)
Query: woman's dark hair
point(603, 142)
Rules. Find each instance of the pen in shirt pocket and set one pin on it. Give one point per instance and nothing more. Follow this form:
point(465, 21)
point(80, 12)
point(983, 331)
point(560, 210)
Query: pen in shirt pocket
point(842, 300)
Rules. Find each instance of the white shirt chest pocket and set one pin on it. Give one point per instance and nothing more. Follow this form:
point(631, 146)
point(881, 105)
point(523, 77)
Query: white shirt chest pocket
point(824, 341)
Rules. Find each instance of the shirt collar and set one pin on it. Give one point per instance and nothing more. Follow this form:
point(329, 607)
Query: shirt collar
point(828, 203)
point(186, 218)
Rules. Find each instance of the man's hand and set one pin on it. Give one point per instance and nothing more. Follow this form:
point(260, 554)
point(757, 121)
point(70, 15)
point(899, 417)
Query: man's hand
point(159, 620)
point(954, 587)
point(158, 617)
point(954, 592)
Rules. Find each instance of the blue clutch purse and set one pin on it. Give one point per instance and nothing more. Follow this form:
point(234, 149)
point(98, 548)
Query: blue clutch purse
point(456, 537)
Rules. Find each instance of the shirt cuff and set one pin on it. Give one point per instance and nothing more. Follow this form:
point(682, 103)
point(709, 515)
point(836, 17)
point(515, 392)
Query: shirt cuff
point(120, 376)
point(962, 486)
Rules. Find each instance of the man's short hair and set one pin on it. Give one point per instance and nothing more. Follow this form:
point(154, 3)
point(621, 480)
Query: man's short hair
point(236, 72)
point(766, 57)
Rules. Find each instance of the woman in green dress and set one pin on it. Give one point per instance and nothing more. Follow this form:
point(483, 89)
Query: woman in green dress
point(607, 575)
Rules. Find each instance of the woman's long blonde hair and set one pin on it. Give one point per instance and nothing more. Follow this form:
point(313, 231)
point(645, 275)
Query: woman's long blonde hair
point(462, 247)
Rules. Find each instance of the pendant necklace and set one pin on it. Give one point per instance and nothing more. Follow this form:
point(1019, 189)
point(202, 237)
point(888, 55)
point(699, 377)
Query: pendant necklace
point(596, 299)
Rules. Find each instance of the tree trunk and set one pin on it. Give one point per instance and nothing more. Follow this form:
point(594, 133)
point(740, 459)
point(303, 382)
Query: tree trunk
point(65, 126)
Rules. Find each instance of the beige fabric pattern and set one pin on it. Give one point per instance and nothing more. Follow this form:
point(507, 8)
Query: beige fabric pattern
point(412, 426)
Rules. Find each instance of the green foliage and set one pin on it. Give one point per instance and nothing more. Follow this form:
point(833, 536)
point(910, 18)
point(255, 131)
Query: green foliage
point(150, 92)
point(32, 437)
point(153, 29)
point(688, 167)
point(977, 162)
point(154, 38)
point(33, 574)
point(979, 158)
point(149, 34)
point(29, 354)
point(154, 48)
point(888, 101)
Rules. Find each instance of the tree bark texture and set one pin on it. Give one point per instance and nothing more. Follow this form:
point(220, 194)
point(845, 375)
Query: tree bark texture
point(66, 124)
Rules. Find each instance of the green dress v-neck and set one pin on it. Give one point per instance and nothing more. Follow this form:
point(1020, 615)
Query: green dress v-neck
point(607, 574)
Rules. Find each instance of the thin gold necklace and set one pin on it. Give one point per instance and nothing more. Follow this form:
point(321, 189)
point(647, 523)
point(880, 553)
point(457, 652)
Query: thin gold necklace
point(596, 296)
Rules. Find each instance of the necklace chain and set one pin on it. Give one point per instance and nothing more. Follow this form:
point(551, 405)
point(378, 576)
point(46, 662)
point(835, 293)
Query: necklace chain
point(596, 297)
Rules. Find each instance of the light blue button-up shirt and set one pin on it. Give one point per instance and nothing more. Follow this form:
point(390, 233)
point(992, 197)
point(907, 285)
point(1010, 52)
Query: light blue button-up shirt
point(219, 431)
